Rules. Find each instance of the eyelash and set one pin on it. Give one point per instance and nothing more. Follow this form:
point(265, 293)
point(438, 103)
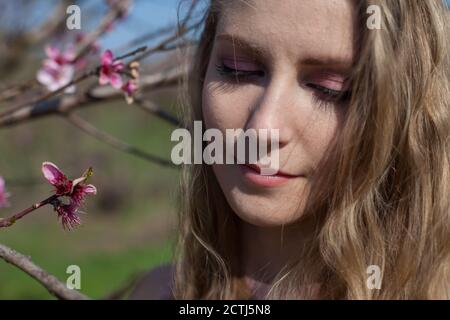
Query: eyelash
point(233, 73)
point(322, 96)
point(325, 96)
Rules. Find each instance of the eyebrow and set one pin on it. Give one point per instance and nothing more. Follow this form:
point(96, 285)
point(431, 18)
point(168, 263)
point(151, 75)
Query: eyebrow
point(258, 50)
point(244, 44)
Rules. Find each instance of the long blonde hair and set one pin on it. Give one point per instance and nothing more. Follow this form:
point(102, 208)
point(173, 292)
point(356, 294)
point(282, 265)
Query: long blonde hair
point(386, 200)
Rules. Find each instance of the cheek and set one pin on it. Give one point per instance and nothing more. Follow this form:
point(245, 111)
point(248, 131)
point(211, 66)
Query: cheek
point(224, 105)
point(220, 110)
point(319, 135)
point(212, 106)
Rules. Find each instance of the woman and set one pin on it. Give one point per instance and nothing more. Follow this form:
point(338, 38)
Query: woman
point(363, 119)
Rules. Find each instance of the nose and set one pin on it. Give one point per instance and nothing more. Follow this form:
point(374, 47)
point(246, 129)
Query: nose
point(274, 110)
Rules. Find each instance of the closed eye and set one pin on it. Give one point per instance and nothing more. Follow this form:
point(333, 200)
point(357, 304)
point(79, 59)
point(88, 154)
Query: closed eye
point(228, 72)
point(327, 92)
point(326, 97)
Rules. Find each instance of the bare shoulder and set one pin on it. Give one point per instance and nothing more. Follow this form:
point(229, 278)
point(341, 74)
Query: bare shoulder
point(157, 284)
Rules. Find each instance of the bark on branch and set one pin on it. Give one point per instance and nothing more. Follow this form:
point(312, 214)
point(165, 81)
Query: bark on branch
point(50, 282)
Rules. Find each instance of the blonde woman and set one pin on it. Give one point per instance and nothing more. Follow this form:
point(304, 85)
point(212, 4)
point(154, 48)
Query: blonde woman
point(363, 117)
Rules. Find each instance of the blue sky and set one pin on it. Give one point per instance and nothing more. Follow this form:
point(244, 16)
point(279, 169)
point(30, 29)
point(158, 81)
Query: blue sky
point(145, 16)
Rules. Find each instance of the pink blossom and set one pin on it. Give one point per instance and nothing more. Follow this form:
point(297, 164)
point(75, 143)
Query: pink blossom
point(129, 88)
point(68, 215)
point(3, 194)
point(80, 191)
point(76, 190)
point(57, 178)
point(57, 70)
point(109, 71)
point(61, 58)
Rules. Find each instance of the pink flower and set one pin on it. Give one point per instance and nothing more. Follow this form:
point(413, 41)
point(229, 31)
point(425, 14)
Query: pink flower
point(61, 58)
point(109, 71)
point(68, 215)
point(3, 194)
point(57, 70)
point(57, 179)
point(80, 191)
point(129, 88)
point(76, 190)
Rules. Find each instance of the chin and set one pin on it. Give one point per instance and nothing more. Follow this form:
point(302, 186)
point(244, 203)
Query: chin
point(263, 211)
point(263, 207)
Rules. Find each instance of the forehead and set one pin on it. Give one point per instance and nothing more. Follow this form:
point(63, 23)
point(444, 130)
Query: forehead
point(293, 28)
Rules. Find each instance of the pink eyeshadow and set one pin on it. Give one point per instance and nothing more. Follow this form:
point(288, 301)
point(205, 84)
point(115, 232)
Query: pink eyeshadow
point(240, 65)
point(332, 81)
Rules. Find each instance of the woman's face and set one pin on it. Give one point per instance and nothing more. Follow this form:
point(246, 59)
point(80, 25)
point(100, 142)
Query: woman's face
point(295, 56)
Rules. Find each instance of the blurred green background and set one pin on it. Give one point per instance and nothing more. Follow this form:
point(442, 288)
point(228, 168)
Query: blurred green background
point(130, 225)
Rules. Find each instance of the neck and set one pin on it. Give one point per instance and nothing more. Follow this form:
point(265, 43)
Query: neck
point(265, 251)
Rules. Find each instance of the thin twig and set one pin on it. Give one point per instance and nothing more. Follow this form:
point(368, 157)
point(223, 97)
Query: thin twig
point(81, 78)
point(52, 93)
point(49, 281)
point(153, 108)
point(147, 37)
point(161, 31)
point(99, 94)
point(162, 45)
point(178, 46)
point(117, 10)
point(54, 21)
point(93, 131)
point(11, 220)
point(11, 91)
point(186, 19)
point(132, 53)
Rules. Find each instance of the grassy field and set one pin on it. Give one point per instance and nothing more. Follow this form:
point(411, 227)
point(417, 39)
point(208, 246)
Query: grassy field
point(129, 225)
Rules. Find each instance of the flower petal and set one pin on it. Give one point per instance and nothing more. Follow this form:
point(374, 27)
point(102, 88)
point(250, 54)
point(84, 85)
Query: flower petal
point(107, 57)
point(90, 189)
point(129, 87)
point(70, 89)
point(44, 77)
point(68, 215)
point(118, 65)
point(69, 54)
point(115, 80)
point(77, 181)
point(52, 173)
point(52, 52)
point(103, 79)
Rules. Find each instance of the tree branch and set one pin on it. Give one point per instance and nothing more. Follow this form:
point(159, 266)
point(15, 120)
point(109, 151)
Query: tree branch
point(156, 110)
point(50, 26)
point(163, 44)
point(68, 103)
point(11, 220)
point(77, 80)
point(50, 282)
point(93, 131)
point(117, 10)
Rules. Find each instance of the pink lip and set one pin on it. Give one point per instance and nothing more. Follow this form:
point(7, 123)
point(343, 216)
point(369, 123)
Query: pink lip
point(253, 173)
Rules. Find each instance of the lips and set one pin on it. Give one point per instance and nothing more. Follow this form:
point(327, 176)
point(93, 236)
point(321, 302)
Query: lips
point(256, 168)
point(252, 174)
